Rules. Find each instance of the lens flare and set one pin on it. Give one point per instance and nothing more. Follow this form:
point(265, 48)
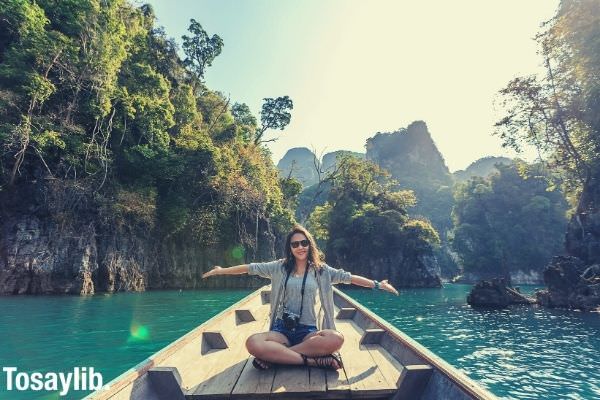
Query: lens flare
point(238, 252)
point(139, 332)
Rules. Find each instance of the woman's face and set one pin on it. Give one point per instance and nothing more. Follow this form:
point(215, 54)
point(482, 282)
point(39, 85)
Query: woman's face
point(300, 252)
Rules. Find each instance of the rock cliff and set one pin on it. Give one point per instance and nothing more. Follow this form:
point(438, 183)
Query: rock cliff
point(570, 283)
point(300, 162)
point(574, 281)
point(56, 239)
point(402, 270)
point(414, 160)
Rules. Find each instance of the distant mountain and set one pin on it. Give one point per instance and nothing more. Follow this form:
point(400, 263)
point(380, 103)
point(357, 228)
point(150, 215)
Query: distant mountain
point(301, 162)
point(329, 159)
point(413, 159)
point(410, 155)
point(482, 167)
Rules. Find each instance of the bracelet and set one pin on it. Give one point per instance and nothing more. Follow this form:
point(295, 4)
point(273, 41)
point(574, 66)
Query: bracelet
point(376, 283)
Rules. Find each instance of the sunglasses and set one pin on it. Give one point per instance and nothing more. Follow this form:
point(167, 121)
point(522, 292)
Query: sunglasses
point(303, 243)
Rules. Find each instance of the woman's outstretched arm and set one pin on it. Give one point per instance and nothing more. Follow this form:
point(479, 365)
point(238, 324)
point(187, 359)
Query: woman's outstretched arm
point(383, 285)
point(237, 270)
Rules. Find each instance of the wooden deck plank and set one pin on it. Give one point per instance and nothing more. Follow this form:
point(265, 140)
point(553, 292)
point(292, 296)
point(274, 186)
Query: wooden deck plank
point(195, 367)
point(290, 382)
point(364, 376)
point(337, 384)
point(317, 380)
point(253, 381)
point(221, 369)
point(296, 387)
point(390, 368)
point(337, 381)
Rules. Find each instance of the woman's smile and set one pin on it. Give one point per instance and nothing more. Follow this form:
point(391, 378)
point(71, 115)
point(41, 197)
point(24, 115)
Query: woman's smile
point(300, 246)
point(301, 253)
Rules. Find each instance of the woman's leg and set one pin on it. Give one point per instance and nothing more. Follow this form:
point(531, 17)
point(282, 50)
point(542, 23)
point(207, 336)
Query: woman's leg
point(272, 346)
point(320, 343)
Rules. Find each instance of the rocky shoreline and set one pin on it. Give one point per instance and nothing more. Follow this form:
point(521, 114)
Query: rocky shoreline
point(57, 239)
point(569, 284)
point(496, 293)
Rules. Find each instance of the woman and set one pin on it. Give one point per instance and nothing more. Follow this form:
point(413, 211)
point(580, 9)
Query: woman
point(293, 337)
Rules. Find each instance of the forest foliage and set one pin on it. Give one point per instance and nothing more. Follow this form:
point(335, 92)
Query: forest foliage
point(514, 220)
point(364, 216)
point(558, 113)
point(95, 96)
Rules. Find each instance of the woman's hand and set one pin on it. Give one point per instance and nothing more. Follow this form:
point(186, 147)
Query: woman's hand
point(215, 271)
point(385, 285)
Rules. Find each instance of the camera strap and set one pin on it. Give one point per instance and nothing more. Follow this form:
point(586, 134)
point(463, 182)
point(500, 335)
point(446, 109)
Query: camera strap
point(301, 291)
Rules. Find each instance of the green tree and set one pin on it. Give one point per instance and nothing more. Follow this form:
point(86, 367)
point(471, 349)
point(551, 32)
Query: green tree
point(60, 68)
point(95, 100)
point(245, 120)
point(273, 115)
point(558, 113)
point(291, 189)
point(200, 49)
point(364, 218)
point(512, 221)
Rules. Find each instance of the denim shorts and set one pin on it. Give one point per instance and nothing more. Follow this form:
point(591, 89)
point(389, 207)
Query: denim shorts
point(294, 336)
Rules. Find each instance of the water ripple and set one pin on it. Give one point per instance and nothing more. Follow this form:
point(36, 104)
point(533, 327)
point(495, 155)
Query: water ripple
point(519, 353)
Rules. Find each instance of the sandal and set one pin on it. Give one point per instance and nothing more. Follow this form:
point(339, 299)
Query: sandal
point(262, 365)
point(325, 362)
point(305, 360)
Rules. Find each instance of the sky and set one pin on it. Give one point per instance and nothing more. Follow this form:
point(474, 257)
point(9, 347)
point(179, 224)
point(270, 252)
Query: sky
point(354, 68)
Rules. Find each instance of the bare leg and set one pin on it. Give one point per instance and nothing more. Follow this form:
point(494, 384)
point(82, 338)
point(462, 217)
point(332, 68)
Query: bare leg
point(320, 343)
point(273, 347)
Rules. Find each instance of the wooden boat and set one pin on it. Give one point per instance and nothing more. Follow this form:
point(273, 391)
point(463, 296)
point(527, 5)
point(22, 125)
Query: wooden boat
point(211, 362)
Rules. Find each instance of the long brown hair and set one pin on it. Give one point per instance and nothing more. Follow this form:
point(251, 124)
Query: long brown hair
point(314, 255)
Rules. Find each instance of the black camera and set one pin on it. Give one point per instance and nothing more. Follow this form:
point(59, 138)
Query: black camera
point(290, 320)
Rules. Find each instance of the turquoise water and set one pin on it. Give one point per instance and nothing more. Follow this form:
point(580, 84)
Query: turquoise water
point(111, 333)
point(518, 353)
point(521, 353)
